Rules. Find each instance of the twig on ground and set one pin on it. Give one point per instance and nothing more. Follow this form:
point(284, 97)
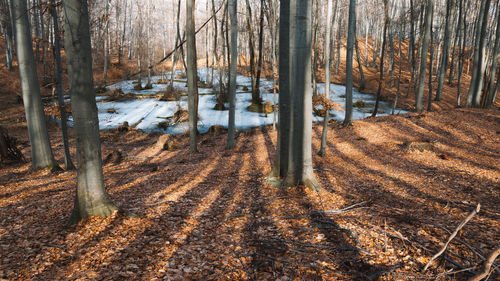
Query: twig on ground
point(346, 209)
point(77, 275)
point(487, 265)
point(469, 217)
point(478, 253)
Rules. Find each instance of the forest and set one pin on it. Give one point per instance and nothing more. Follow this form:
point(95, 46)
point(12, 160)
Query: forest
point(249, 140)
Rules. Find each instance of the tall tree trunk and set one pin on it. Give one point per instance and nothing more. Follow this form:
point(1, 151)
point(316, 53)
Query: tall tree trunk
point(41, 152)
point(446, 50)
point(91, 197)
point(261, 42)
point(463, 29)
point(283, 154)
point(106, 45)
point(400, 55)
point(175, 57)
point(360, 64)
point(214, 43)
point(68, 164)
point(6, 25)
point(431, 47)
point(322, 149)
point(423, 55)
point(412, 43)
point(381, 67)
point(476, 84)
point(251, 47)
point(492, 89)
point(233, 8)
point(300, 170)
point(192, 74)
point(351, 36)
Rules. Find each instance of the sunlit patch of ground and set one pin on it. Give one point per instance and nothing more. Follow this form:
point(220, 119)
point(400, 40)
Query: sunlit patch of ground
point(211, 215)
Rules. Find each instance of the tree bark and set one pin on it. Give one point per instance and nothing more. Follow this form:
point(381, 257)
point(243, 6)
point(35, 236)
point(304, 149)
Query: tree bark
point(91, 197)
point(423, 55)
point(283, 153)
point(261, 42)
point(300, 170)
point(381, 67)
point(351, 36)
point(233, 8)
point(326, 118)
point(446, 50)
point(360, 64)
point(476, 84)
point(68, 164)
point(41, 152)
point(192, 75)
point(431, 47)
point(494, 65)
point(106, 45)
point(251, 47)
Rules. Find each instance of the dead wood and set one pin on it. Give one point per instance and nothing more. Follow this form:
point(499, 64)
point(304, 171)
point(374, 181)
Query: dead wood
point(487, 265)
point(8, 148)
point(469, 217)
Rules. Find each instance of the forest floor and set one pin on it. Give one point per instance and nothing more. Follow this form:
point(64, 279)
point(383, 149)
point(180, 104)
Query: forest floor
point(394, 188)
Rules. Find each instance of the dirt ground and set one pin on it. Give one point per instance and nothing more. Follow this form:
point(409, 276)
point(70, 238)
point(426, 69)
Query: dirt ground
point(394, 188)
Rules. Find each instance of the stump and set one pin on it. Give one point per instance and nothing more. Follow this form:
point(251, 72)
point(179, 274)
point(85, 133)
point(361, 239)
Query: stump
point(114, 157)
point(9, 153)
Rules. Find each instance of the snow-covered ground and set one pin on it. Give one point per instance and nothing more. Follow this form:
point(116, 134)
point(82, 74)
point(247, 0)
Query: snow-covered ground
point(147, 113)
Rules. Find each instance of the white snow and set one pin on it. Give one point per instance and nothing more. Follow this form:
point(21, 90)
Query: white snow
point(146, 113)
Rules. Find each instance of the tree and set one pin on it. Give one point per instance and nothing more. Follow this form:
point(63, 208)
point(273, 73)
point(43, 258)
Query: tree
point(91, 198)
point(426, 36)
point(251, 46)
point(327, 77)
point(6, 26)
point(106, 45)
point(68, 164)
point(192, 76)
point(351, 36)
point(233, 8)
point(492, 89)
point(41, 152)
point(476, 83)
point(446, 50)
point(381, 79)
point(299, 162)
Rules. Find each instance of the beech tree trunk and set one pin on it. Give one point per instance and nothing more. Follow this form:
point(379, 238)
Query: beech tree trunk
point(192, 74)
point(476, 84)
point(233, 8)
point(446, 50)
point(381, 67)
point(6, 26)
point(41, 152)
point(106, 45)
point(283, 153)
point(351, 36)
point(423, 55)
point(91, 198)
point(492, 89)
point(326, 118)
point(68, 164)
point(300, 169)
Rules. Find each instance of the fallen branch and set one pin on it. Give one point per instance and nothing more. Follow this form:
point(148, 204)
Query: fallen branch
point(346, 209)
point(487, 265)
point(469, 217)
